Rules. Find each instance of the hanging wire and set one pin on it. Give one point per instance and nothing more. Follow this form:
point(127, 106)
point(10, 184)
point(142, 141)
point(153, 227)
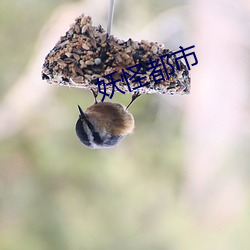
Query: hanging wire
point(110, 15)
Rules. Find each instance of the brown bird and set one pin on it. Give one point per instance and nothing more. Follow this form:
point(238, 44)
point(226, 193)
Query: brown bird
point(104, 124)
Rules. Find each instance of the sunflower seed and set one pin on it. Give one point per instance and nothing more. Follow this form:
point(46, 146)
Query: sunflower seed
point(69, 60)
point(85, 46)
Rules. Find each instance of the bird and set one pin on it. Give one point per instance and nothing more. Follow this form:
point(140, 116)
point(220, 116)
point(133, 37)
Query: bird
point(104, 124)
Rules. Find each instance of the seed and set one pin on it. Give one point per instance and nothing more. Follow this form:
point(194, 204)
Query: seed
point(88, 76)
point(145, 42)
point(77, 29)
point(88, 62)
point(77, 51)
point(103, 37)
point(68, 54)
point(84, 28)
point(69, 60)
point(77, 57)
point(154, 49)
point(61, 62)
point(64, 43)
point(98, 61)
point(78, 70)
point(70, 32)
point(77, 79)
point(93, 43)
point(134, 45)
point(126, 56)
point(119, 59)
point(83, 21)
point(120, 42)
point(85, 46)
point(128, 50)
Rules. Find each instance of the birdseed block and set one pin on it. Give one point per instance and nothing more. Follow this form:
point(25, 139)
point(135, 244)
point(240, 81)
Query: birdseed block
point(89, 58)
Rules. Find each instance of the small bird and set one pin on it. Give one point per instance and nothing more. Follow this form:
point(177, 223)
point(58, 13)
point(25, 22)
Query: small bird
point(104, 124)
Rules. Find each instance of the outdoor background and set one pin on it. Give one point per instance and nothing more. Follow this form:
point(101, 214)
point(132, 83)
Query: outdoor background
point(180, 182)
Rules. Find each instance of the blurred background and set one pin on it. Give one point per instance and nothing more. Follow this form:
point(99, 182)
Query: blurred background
point(180, 182)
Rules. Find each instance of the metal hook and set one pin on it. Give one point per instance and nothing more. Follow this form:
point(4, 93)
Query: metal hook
point(110, 15)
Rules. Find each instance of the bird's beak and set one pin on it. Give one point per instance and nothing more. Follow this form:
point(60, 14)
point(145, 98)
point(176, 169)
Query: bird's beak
point(82, 115)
